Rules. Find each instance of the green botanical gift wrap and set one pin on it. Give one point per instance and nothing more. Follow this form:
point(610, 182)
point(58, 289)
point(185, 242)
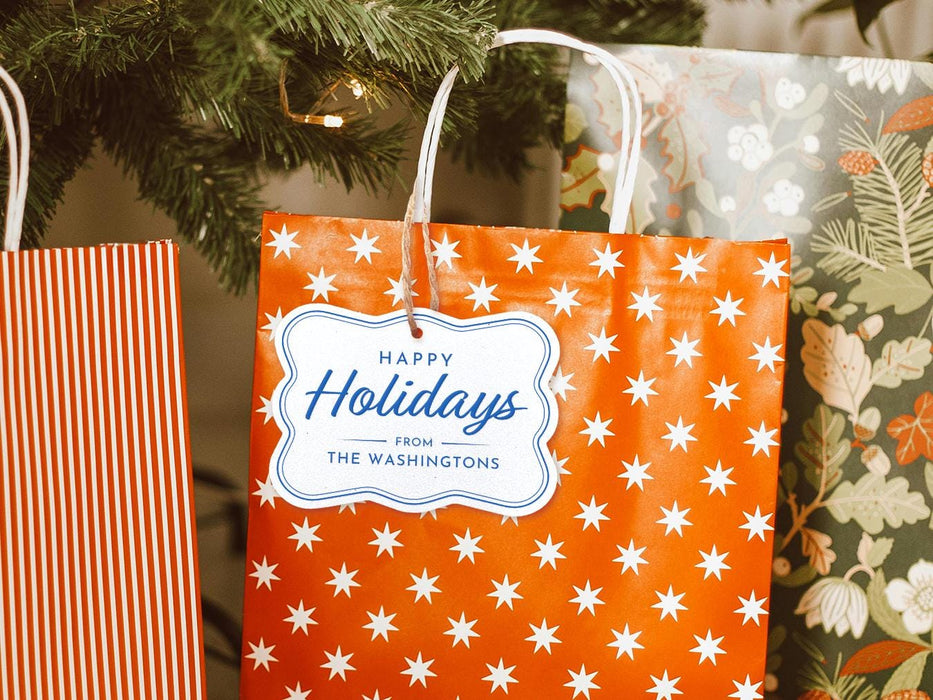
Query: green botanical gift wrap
point(835, 154)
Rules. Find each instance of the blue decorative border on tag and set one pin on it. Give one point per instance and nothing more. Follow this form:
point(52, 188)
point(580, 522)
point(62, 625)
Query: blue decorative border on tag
point(378, 495)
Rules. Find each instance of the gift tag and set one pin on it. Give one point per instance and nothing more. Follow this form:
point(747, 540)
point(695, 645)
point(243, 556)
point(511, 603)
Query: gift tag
point(369, 413)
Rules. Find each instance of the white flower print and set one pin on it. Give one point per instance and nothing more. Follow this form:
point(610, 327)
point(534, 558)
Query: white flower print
point(788, 94)
point(749, 146)
point(880, 73)
point(838, 605)
point(784, 198)
point(913, 598)
point(811, 144)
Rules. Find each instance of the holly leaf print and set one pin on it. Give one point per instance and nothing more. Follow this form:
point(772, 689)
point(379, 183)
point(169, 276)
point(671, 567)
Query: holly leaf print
point(835, 365)
point(579, 182)
point(682, 146)
point(914, 433)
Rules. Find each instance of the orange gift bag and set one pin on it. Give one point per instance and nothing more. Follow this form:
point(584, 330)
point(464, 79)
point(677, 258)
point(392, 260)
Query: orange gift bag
point(558, 485)
point(98, 556)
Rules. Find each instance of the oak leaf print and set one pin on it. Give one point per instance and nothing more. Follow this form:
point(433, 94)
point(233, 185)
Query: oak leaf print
point(914, 433)
point(836, 366)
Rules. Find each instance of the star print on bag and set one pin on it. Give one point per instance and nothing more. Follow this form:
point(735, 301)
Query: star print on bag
point(646, 575)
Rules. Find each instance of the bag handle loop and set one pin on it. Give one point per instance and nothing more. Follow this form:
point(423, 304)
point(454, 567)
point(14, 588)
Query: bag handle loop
point(631, 102)
point(18, 147)
point(419, 205)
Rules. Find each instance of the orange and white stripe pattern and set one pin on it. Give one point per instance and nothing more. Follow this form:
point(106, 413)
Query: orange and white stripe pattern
point(98, 558)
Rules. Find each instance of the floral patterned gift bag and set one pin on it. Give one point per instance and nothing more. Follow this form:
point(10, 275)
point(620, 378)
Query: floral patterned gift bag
point(836, 153)
point(98, 555)
point(561, 486)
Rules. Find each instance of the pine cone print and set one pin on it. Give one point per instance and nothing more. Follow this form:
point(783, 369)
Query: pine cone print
point(906, 695)
point(857, 162)
point(927, 168)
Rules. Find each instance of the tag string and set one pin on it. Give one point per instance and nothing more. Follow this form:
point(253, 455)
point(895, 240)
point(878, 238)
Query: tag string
point(419, 205)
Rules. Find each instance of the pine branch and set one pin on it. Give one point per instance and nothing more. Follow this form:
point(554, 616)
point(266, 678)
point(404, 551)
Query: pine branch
point(184, 94)
point(849, 250)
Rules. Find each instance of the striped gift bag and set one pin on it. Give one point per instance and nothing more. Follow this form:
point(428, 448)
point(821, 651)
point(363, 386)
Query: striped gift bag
point(98, 559)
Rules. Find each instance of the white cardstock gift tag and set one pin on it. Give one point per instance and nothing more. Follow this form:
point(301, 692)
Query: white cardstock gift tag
point(369, 413)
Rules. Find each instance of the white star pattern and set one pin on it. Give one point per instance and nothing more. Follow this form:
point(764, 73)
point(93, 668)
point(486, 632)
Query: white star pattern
point(396, 290)
point(466, 546)
point(761, 440)
point(665, 688)
point(273, 322)
point(261, 654)
point(689, 265)
point(559, 463)
point(766, 354)
point(482, 295)
point(525, 257)
point(707, 647)
point(630, 557)
point(746, 690)
point(338, 664)
point(482, 567)
point(380, 624)
point(722, 393)
point(636, 473)
point(597, 429)
point(563, 299)
point(266, 410)
point(445, 252)
point(756, 524)
point(386, 541)
point(549, 552)
point(304, 535)
point(321, 285)
point(297, 693)
point(640, 388)
point(751, 608)
point(581, 682)
point(587, 598)
point(645, 304)
point(300, 617)
point(461, 630)
point(364, 247)
point(560, 384)
point(771, 271)
point(591, 514)
point(679, 434)
point(420, 670)
point(505, 592)
point(343, 580)
point(718, 478)
point(264, 574)
point(674, 519)
point(543, 636)
point(601, 346)
point(500, 676)
point(423, 586)
point(607, 261)
point(266, 492)
point(283, 242)
point(625, 642)
point(713, 563)
point(684, 350)
point(727, 309)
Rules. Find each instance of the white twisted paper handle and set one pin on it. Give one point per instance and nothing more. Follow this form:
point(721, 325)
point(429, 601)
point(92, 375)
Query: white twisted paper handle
point(419, 205)
point(18, 147)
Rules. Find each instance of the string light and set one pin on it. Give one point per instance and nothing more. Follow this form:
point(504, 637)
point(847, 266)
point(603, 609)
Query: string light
point(329, 121)
point(356, 87)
